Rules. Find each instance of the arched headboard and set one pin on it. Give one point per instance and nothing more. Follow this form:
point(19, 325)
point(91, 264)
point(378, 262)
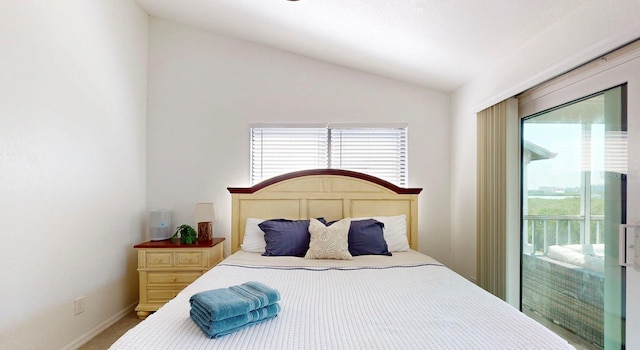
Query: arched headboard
point(330, 193)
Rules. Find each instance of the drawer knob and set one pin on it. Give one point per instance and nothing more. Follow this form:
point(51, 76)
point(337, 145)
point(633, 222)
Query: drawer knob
point(188, 258)
point(173, 278)
point(158, 260)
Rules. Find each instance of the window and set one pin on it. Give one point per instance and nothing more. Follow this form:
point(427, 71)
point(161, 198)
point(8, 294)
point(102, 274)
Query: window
point(377, 150)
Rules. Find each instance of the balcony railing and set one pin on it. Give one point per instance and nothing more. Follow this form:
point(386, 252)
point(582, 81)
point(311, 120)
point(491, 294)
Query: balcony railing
point(542, 231)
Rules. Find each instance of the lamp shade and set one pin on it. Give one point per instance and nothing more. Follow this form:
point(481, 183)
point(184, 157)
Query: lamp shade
point(205, 212)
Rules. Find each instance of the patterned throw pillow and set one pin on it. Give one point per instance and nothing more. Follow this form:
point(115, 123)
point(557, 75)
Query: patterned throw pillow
point(329, 242)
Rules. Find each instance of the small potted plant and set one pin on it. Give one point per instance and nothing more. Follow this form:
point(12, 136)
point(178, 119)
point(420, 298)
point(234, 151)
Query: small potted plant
point(188, 234)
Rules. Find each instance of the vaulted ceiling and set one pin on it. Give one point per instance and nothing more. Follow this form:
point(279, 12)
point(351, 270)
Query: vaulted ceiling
point(439, 44)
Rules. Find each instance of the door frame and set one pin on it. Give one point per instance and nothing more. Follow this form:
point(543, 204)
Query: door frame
point(617, 68)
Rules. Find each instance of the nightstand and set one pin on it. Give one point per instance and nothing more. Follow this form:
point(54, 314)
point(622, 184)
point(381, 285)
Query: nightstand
point(166, 267)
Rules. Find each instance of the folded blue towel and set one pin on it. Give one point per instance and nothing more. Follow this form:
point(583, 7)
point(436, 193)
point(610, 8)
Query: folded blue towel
point(216, 329)
point(220, 304)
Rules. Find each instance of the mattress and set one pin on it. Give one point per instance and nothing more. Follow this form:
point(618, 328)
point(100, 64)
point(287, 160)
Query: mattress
point(407, 301)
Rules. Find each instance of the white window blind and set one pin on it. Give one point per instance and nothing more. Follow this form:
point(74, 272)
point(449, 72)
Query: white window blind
point(279, 150)
point(379, 150)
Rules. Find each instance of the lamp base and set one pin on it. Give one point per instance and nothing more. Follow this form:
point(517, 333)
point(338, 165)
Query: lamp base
point(205, 231)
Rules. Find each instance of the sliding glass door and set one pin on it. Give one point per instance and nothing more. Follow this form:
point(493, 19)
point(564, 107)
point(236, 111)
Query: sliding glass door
point(574, 159)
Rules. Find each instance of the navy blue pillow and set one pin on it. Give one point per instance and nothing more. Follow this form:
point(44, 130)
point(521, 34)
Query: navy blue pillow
point(366, 237)
point(286, 237)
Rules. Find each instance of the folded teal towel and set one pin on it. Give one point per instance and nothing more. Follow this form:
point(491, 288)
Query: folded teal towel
point(216, 329)
point(220, 304)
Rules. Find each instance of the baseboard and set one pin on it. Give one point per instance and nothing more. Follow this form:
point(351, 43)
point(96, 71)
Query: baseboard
point(99, 328)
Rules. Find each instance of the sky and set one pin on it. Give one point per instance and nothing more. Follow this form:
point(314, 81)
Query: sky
point(565, 169)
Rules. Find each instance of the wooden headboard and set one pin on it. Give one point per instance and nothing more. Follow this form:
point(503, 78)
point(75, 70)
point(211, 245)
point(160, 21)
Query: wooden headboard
point(330, 193)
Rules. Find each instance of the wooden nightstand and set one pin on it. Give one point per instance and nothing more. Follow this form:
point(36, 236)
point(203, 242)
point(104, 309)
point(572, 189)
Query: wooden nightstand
point(166, 267)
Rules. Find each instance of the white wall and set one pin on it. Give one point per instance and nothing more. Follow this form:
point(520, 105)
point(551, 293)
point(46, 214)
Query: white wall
point(205, 89)
point(72, 165)
point(593, 29)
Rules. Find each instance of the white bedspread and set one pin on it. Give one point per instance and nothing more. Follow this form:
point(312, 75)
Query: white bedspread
point(408, 301)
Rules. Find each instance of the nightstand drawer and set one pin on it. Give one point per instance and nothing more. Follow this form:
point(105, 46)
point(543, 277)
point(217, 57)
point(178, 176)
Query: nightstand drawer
point(159, 259)
point(171, 278)
point(192, 258)
point(162, 295)
point(167, 267)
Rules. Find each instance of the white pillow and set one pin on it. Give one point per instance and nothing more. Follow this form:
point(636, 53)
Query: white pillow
point(329, 242)
point(395, 231)
point(253, 240)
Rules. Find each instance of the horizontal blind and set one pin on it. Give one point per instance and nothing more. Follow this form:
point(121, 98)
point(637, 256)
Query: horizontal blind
point(380, 151)
point(279, 150)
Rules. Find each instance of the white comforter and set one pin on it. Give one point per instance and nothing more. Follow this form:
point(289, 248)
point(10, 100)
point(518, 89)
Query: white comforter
point(408, 301)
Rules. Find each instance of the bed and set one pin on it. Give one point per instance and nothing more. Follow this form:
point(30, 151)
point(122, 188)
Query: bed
point(566, 286)
point(404, 301)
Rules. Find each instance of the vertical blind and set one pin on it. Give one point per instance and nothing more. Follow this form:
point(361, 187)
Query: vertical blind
point(375, 150)
point(495, 203)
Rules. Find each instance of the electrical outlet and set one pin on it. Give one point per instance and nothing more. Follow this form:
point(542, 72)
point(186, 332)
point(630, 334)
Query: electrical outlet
point(78, 306)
